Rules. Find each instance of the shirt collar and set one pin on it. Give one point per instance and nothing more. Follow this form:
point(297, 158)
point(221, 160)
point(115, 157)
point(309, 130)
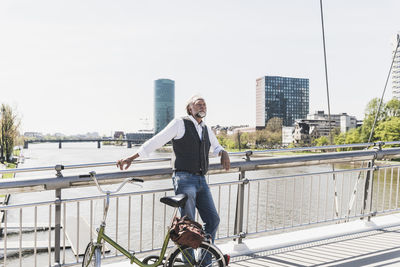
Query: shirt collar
point(195, 122)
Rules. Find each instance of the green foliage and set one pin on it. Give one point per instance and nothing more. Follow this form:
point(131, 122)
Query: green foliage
point(353, 136)
point(17, 152)
point(270, 137)
point(321, 141)
point(392, 108)
point(274, 125)
point(340, 139)
point(9, 175)
point(387, 126)
point(9, 123)
point(389, 130)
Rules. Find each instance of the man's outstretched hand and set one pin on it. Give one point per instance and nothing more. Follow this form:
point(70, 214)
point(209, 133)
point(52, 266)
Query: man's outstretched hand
point(225, 161)
point(126, 162)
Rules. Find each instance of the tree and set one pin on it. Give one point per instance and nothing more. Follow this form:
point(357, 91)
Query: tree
point(9, 131)
point(369, 118)
point(321, 141)
point(388, 130)
point(242, 140)
point(265, 138)
point(274, 125)
point(392, 108)
point(353, 136)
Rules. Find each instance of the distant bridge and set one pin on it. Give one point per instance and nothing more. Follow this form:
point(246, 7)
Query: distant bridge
point(129, 142)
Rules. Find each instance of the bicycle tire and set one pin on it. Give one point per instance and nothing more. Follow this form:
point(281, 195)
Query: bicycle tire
point(150, 260)
point(95, 259)
point(180, 252)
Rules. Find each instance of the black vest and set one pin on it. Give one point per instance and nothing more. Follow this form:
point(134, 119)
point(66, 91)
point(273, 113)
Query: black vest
point(191, 153)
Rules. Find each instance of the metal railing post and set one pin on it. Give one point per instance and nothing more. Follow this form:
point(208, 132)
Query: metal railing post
point(57, 220)
point(368, 190)
point(238, 229)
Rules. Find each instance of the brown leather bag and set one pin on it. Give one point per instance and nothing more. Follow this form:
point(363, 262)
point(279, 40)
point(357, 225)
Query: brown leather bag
point(186, 232)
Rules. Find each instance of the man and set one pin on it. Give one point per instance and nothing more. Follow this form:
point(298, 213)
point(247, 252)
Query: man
point(191, 142)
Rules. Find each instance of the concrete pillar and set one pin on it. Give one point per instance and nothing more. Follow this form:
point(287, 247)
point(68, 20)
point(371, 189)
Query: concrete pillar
point(98, 144)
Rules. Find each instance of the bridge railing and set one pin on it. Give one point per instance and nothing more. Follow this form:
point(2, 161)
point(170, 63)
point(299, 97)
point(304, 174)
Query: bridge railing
point(259, 201)
point(129, 142)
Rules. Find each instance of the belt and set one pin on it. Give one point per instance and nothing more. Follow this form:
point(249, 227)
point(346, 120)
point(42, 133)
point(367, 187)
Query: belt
point(194, 173)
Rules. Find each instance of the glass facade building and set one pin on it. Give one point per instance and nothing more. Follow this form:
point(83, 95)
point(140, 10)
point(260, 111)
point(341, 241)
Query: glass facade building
point(164, 103)
point(283, 97)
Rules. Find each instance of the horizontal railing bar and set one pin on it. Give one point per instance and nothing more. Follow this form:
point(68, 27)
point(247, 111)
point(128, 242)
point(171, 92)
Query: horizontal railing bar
point(294, 149)
point(26, 205)
point(8, 207)
point(78, 166)
point(107, 164)
point(385, 211)
point(387, 166)
point(311, 223)
point(309, 174)
point(28, 185)
point(96, 197)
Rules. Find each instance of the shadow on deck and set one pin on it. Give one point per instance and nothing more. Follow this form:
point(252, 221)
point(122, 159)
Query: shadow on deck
point(379, 247)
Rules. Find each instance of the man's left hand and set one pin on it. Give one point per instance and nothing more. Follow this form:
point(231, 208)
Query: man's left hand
point(225, 161)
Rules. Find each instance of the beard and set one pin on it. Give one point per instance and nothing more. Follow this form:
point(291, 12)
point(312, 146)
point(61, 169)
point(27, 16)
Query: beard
point(200, 114)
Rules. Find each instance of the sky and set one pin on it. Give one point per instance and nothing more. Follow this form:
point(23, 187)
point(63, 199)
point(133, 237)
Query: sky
point(89, 66)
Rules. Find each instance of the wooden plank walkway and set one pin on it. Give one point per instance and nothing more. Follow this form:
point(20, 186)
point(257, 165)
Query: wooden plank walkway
point(372, 248)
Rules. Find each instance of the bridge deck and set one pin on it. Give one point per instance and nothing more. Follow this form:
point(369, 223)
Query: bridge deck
point(359, 243)
point(372, 248)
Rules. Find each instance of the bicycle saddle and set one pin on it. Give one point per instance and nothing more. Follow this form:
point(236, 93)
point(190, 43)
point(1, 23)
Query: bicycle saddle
point(177, 201)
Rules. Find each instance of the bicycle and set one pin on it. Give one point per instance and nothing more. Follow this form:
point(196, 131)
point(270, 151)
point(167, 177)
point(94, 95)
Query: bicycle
point(178, 256)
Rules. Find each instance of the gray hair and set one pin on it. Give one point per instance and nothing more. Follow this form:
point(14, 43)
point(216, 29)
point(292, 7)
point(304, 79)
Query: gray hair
point(191, 102)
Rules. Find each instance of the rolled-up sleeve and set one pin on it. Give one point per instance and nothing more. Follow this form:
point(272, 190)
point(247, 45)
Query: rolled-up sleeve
point(215, 146)
point(163, 137)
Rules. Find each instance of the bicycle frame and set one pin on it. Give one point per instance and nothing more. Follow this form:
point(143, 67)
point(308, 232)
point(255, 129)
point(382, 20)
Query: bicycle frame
point(103, 237)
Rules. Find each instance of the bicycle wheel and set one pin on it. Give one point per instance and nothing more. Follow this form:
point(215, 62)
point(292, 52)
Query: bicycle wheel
point(205, 256)
point(91, 259)
point(149, 260)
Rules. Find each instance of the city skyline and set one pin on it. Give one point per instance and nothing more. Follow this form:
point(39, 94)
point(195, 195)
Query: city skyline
point(74, 68)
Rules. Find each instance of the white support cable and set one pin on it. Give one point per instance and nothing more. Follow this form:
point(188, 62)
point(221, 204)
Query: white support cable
point(351, 202)
point(329, 109)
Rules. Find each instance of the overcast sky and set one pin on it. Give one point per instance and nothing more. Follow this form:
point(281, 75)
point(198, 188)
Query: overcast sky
point(82, 66)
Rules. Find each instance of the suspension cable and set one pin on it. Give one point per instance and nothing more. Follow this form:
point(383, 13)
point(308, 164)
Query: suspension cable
point(383, 93)
point(353, 197)
point(329, 111)
point(326, 72)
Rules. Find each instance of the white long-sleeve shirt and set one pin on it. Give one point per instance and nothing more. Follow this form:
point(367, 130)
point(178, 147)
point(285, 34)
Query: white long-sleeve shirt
point(176, 130)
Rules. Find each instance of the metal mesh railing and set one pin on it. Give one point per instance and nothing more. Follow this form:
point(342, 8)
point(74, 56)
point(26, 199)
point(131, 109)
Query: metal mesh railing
point(263, 199)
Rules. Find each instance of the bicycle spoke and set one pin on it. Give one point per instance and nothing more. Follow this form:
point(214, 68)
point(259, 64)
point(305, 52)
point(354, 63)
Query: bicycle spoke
point(203, 256)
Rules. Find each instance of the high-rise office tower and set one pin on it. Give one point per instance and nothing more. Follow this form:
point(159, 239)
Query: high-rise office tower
point(282, 97)
point(164, 103)
point(396, 69)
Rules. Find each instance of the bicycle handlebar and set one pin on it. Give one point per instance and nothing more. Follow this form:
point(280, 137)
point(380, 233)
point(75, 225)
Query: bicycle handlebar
point(133, 179)
point(92, 175)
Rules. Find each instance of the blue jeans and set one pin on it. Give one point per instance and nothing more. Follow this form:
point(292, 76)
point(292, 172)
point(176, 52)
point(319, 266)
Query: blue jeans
point(199, 196)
